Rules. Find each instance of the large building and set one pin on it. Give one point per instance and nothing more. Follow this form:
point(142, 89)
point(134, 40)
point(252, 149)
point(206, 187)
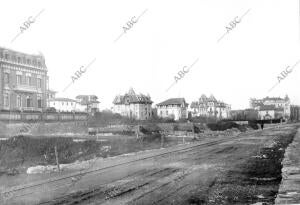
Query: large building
point(173, 108)
point(132, 105)
point(210, 107)
point(23, 81)
point(88, 103)
point(272, 107)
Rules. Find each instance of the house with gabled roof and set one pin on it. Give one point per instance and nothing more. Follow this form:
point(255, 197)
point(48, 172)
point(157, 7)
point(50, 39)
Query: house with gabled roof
point(174, 108)
point(132, 105)
point(210, 107)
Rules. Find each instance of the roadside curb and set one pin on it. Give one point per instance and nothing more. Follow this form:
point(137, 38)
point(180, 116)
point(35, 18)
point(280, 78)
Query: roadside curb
point(289, 189)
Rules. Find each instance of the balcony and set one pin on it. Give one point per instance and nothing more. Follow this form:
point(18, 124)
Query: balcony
point(27, 88)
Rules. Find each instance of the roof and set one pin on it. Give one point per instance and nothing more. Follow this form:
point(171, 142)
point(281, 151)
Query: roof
point(212, 98)
point(132, 97)
point(173, 101)
point(194, 105)
point(63, 100)
point(203, 97)
point(22, 53)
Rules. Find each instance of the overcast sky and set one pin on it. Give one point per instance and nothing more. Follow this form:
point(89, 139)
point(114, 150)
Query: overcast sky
point(168, 36)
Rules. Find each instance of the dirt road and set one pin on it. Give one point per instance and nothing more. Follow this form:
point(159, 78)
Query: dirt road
point(237, 170)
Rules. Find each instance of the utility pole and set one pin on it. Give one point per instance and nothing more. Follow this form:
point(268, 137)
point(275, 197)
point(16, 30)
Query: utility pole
point(56, 157)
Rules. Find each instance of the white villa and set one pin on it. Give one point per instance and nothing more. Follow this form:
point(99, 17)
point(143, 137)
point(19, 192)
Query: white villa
point(174, 108)
point(132, 105)
point(210, 107)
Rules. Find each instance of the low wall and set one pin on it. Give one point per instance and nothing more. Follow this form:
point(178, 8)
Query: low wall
point(40, 116)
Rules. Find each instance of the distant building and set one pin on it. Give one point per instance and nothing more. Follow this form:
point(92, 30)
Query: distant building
point(210, 107)
point(132, 105)
point(174, 108)
point(50, 95)
point(87, 103)
point(272, 107)
point(23, 81)
point(63, 104)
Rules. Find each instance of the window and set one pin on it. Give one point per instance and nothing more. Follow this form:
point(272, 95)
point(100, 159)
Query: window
point(19, 79)
point(6, 56)
point(28, 80)
point(39, 82)
point(6, 78)
point(39, 64)
point(19, 101)
point(28, 101)
point(39, 101)
point(167, 112)
point(28, 61)
point(6, 100)
point(19, 60)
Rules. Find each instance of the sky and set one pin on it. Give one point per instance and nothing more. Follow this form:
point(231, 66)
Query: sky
point(165, 38)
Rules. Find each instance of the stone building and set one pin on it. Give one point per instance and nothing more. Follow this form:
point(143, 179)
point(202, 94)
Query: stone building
point(210, 107)
point(132, 105)
point(173, 108)
point(23, 81)
point(272, 107)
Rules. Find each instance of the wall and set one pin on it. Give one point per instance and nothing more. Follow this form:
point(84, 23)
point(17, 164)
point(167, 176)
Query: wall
point(24, 116)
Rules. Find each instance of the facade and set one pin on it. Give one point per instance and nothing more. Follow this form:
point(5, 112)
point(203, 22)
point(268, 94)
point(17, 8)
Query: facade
point(87, 103)
point(23, 81)
point(132, 105)
point(281, 107)
point(63, 104)
point(50, 96)
point(174, 108)
point(295, 113)
point(210, 107)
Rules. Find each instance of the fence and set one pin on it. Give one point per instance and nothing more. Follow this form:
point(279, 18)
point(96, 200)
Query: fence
point(41, 116)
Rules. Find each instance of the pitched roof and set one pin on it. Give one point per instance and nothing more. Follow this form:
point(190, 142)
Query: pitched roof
point(63, 100)
point(132, 97)
point(173, 101)
point(203, 98)
point(194, 105)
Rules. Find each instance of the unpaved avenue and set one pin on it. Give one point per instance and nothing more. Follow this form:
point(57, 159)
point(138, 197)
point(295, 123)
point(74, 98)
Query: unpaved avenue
point(244, 170)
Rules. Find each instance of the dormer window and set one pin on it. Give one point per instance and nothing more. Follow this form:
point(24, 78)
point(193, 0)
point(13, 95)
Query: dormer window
point(19, 60)
point(39, 64)
point(6, 56)
point(28, 61)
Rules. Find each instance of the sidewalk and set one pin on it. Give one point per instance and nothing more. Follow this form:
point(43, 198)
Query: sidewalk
point(289, 190)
